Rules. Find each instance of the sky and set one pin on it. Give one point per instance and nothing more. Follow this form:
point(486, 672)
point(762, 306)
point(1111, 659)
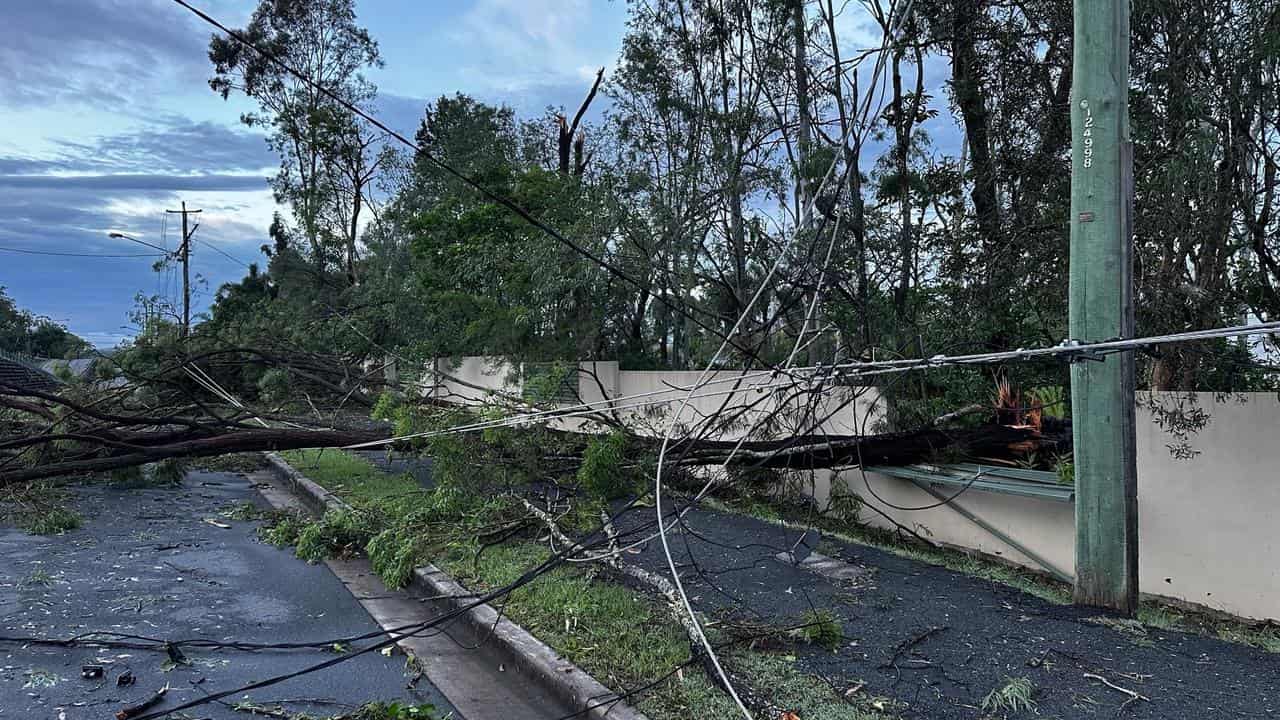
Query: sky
point(109, 121)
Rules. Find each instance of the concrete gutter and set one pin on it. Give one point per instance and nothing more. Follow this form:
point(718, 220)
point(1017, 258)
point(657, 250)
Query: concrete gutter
point(511, 643)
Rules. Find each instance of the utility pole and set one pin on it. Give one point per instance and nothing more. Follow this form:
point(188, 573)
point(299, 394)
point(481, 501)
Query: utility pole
point(184, 256)
point(1101, 299)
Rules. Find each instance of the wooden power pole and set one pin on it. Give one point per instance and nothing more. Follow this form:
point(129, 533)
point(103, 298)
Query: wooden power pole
point(184, 256)
point(1101, 298)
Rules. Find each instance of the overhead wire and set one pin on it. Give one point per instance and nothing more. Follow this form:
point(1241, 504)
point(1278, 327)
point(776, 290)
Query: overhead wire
point(220, 251)
point(666, 437)
point(845, 370)
point(78, 255)
point(492, 195)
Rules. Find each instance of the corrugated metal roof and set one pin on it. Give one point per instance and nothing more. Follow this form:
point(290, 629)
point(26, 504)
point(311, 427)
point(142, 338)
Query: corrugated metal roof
point(16, 374)
point(990, 478)
point(80, 367)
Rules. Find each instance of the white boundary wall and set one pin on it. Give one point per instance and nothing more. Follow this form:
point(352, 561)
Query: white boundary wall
point(470, 380)
point(1208, 526)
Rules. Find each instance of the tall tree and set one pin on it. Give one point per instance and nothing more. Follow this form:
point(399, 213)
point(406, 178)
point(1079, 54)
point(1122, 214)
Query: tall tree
point(327, 156)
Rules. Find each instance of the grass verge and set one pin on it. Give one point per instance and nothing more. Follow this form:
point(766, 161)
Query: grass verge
point(622, 637)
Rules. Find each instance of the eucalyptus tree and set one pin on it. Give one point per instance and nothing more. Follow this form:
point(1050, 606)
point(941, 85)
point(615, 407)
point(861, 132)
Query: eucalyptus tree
point(328, 157)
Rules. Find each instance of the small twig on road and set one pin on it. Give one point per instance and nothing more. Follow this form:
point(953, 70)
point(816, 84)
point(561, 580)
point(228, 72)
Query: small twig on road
point(911, 642)
point(1133, 696)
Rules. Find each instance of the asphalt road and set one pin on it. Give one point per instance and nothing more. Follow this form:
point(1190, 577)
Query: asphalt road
point(146, 562)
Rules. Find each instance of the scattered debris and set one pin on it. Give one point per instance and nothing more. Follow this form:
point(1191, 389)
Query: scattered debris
point(126, 678)
point(1015, 695)
point(40, 679)
point(217, 524)
point(911, 642)
point(1133, 696)
point(145, 705)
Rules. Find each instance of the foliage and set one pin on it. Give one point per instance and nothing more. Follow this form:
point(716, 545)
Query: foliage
point(395, 521)
point(54, 521)
point(406, 418)
point(395, 711)
point(1065, 468)
point(685, 198)
point(328, 156)
point(274, 386)
point(33, 335)
point(235, 463)
point(602, 473)
point(822, 628)
point(339, 533)
point(1014, 696)
point(283, 531)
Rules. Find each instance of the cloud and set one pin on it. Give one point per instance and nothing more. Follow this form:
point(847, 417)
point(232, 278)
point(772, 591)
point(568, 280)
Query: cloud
point(518, 44)
point(174, 145)
point(136, 182)
point(169, 145)
point(401, 113)
point(139, 182)
point(98, 52)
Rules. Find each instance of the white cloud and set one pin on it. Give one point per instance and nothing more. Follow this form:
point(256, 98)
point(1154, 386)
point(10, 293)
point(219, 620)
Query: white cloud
point(516, 44)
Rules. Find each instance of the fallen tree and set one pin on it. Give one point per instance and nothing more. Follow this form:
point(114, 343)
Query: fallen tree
point(64, 434)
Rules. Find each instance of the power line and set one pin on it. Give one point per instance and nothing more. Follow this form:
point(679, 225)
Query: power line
point(220, 251)
point(492, 195)
point(82, 255)
point(1069, 349)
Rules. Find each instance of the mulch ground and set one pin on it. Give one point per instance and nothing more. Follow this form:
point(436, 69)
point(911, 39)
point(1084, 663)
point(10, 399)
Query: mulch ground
point(936, 641)
point(939, 641)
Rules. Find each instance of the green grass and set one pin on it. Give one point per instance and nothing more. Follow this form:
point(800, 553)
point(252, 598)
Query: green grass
point(622, 637)
point(348, 475)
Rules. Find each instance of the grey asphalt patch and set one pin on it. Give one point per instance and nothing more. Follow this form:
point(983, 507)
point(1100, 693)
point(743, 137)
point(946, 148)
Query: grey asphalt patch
point(146, 562)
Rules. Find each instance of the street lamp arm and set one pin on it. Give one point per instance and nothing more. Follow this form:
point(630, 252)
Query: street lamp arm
point(122, 236)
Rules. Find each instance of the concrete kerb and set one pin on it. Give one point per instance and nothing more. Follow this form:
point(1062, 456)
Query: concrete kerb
point(512, 643)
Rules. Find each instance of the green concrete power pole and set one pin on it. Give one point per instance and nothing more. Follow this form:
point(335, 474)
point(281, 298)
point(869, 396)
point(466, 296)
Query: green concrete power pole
point(1101, 297)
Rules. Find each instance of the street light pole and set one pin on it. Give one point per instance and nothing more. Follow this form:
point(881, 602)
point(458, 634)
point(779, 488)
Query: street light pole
point(184, 255)
point(167, 255)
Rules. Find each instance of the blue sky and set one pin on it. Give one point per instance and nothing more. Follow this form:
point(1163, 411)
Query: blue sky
point(109, 121)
